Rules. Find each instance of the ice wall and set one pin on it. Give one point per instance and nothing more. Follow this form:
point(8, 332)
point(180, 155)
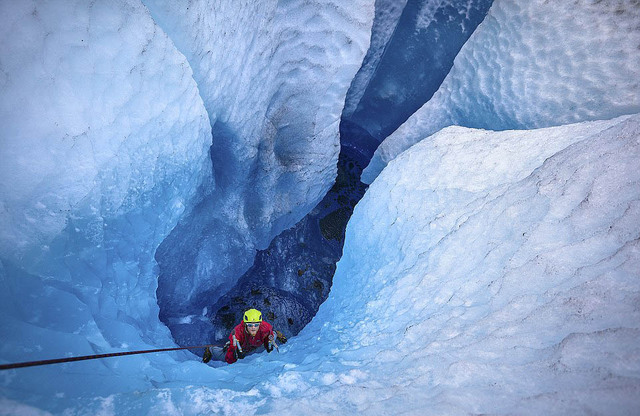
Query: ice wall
point(413, 63)
point(104, 141)
point(531, 65)
point(387, 14)
point(273, 77)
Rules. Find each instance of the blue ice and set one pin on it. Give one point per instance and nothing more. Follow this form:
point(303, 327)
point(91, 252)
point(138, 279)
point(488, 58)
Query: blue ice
point(483, 271)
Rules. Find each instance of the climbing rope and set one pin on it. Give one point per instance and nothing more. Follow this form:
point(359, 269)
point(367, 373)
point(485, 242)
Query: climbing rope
point(93, 357)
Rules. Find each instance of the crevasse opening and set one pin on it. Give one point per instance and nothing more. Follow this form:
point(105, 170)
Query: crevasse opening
point(204, 284)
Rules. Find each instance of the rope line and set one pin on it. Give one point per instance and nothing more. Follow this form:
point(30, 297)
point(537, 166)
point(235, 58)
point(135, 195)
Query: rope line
point(93, 357)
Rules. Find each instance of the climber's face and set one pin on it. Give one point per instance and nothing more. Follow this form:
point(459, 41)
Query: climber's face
point(252, 328)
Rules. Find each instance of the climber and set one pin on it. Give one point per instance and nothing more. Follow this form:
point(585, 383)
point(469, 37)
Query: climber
point(249, 335)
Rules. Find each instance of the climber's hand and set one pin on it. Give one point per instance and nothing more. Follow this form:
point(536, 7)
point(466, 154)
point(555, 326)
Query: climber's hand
point(280, 337)
point(268, 345)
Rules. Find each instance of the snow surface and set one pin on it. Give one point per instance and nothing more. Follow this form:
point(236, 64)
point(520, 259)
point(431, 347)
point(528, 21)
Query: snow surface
point(530, 65)
point(483, 272)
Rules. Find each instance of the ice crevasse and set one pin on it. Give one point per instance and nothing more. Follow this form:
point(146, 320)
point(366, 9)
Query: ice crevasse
point(108, 112)
point(483, 272)
point(492, 290)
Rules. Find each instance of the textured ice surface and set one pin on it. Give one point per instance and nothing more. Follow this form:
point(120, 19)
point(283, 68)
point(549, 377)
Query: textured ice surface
point(69, 77)
point(273, 77)
point(388, 13)
point(483, 272)
point(104, 140)
point(534, 64)
point(486, 290)
point(414, 62)
point(505, 284)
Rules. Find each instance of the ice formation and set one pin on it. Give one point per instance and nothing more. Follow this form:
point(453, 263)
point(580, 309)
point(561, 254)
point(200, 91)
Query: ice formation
point(273, 77)
point(72, 148)
point(484, 287)
point(404, 68)
point(388, 14)
point(104, 142)
point(483, 271)
point(531, 65)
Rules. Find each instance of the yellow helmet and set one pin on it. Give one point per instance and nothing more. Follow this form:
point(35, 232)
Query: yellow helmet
point(252, 315)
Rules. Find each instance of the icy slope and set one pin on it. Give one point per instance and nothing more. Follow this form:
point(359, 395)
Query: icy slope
point(534, 64)
point(486, 273)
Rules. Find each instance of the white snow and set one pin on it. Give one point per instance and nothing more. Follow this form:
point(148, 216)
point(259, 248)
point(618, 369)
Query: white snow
point(530, 65)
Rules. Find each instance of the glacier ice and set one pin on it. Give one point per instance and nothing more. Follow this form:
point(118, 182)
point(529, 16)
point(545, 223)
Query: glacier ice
point(483, 272)
point(72, 149)
point(531, 65)
point(387, 14)
point(273, 76)
point(292, 277)
point(404, 67)
point(105, 140)
point(493, 290)
point(297, 267)
point(484, 289)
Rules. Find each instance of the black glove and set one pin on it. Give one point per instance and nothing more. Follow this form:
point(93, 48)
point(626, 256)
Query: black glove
point(206, 357)
point(238, 354)
point(268, 346)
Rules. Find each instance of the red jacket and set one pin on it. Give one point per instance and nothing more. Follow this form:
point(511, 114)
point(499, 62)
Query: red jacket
point(247, 342)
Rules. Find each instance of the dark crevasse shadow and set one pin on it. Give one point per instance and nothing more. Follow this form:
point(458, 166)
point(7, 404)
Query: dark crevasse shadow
point(417, 58)
point(291, 278)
